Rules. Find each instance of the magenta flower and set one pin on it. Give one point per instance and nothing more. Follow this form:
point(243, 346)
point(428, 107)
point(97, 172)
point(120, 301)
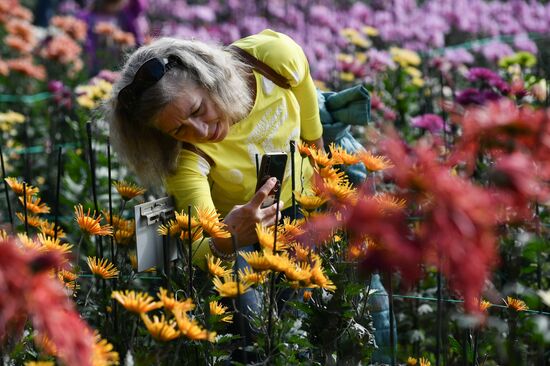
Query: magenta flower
point(430, 122)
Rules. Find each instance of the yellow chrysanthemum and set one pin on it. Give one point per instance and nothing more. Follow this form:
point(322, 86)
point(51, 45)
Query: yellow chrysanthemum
point(293, 228)
point(256, 260)
point(339, 191)
point(183, 221)
point(17, 187)
point(370, 31)
point(340, 154)
point(191, 329)
point(128, 190)
point(411, 361)
point(424, 362)
point(91, 224)
point(136, 302)
point(229, 287)
point(301, 253)
point(34, 205)
point(161, 329)
point(515, 304)
point(390, 203)
point(405, 57)
point(209, 220)
point(32, 220)
point(124, 236)
point(47, 228)
point(304, 149)
point(300, 272)
point(266, 238)
point(322, 159)
point(484, 305)
point(170, 302)
point(331, 173)
point(66, 276)
point(374, 163)
point(219, 310)
point(250, 276)
point(309, 203)
point(216, 268)
point(49, 244)
point(28, 243)
point(278, 262)
point(318, 278)
point(103, 353)
point(102, 268)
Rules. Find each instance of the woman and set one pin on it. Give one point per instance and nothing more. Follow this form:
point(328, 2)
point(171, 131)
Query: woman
point(193, 117)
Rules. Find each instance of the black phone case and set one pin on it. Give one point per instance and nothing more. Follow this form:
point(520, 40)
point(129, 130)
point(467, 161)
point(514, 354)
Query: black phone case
point(272, 165)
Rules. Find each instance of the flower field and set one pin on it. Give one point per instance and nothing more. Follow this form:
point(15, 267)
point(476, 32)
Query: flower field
point(439, 255)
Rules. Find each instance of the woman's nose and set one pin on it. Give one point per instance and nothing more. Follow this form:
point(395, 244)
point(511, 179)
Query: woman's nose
point(200, 128)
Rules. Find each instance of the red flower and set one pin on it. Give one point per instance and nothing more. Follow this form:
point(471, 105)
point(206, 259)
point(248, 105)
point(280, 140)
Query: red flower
point(28, 290)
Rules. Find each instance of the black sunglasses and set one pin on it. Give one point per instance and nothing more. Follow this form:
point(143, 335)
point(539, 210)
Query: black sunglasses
point(147, 75)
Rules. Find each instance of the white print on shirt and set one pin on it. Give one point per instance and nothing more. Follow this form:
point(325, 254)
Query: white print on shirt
point(267, 85)
point(265, 130)
point(203, 166)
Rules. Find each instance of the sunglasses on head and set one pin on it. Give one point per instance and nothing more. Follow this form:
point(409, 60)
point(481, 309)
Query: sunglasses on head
point(147, 75)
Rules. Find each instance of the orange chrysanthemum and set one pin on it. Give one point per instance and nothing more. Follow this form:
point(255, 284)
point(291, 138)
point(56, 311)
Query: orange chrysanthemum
point(301, 253)
point(47, 228)
point(32, 220)
point(250, 276)
point(74, 27)
point(309, 203)
point(25, 66)
point(45, 344)
point(340, 192)
point(229, 287)
point(209, 220)
point(515, 304)
point(170, 302)
point(319, 278)
point(128, 190)
point(484, 305)
point(219, 310)
point(340, 154)
point(34, 205)
point(389, 203)
point(17, 187)
point(102, 268)
point(215, 267)
point(49, 244)
point(27, 242)
point(123, 236)
point(298, 272)
point(161, 329)
point(256, 260)
point(136, 302)
point(322, 159)
point(304, 149)
point(191, 329)
point(266, 238)
point(103, 352)
point(374, 163)
point(91, 224)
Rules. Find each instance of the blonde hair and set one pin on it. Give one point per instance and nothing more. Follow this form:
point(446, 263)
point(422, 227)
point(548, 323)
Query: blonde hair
point(149, 153)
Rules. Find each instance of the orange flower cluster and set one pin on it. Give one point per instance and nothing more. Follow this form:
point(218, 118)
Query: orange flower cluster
point(111, 31)
point(10, 10)
point(72, 26)
point(161, 328)
point(63, 49)
point(25, 66)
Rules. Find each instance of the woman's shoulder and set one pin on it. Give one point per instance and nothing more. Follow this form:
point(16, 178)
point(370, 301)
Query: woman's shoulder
point(277, 50)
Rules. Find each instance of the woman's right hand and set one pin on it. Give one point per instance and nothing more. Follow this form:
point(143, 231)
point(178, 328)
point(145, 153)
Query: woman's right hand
point(242, 219)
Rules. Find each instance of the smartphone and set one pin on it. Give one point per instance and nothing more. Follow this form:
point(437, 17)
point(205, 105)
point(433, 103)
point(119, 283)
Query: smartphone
point(272, 165)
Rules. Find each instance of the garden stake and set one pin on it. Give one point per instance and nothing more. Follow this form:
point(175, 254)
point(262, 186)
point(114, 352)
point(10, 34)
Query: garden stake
point(98, 246)
point(10, 216)
point(293, 175)
point(238, 299)
point(165, 255)
point(25, 208)
point(476, 337)
point(389, 285)
point(257, 166)
point(57, 189)
point(112, 238)
point(110, 183)
point(272, 281)
point(439, 320)
point(190, 250)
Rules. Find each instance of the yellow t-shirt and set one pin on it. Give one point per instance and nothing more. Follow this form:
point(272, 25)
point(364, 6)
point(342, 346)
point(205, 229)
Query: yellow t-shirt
point(278, 116)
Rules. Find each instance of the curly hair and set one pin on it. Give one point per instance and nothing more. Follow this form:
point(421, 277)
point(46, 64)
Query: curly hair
point(148, 152)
